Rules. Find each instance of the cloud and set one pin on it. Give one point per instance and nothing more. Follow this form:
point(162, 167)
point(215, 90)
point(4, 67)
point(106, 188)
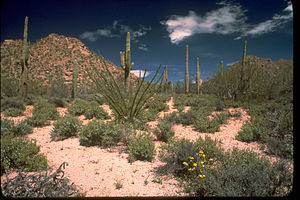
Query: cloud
point(115, 31)
point(143, 47)
point(139, 72)
point(270, 25)
point(230, 18)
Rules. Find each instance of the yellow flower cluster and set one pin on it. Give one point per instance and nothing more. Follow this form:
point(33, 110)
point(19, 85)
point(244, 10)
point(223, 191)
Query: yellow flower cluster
point(198, 164)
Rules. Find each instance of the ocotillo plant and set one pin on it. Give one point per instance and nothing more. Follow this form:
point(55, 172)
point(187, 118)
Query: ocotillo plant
point(187, 69)
point(125, 60)
point(198, 79)
point(74, 80)
point(24, 62)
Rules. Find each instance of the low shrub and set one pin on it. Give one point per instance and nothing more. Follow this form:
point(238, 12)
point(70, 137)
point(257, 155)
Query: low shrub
point(65, 127)
point(12, 102)
point(13, 112)
point(57, 102)
point(46, 109)
point(78, 107)
point(141, 148)
point(96, 132)
point(164, 131)
point(20, 129)
point(242, 173)
point(38, 120)
point(20, 153)
point(95, 111)
point(204, 169)
point(249, 133)
point(41, 184)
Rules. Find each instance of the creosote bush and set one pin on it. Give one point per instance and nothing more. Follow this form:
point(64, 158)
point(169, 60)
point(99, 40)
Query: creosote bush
point(97, 132)
point(205, 169)
point(141, 147)
point(65, 127)
point(20, 153)
point(164, 131)
point(13, 112)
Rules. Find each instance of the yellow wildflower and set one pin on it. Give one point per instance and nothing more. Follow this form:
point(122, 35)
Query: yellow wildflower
point(201, 162)
point(185, 163)
point(195, 164)
point(191, 157)
point(200, 151)
point(190, 169)
point(203, 155)
point(211, 159)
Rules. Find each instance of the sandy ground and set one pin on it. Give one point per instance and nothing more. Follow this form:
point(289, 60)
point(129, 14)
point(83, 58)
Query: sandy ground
point(98, 172)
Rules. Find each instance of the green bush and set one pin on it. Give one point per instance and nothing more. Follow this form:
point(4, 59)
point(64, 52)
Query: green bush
point(38, 120)
point(164, 131)
point(65, 127)
point(57, 102)
point(12, 102)
point(242, 173)
point(20, 153)
point(141, 148)
point(20, 129)
point(44, 108)
point(78, 107)
point(176, 152)
point(13, 112)
point(95, 111)
point(96, 132)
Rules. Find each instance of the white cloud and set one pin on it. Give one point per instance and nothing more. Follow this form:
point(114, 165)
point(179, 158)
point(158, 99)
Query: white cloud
point(143, 47)
point(115, 31)
point(228, 19)
point(138, 73)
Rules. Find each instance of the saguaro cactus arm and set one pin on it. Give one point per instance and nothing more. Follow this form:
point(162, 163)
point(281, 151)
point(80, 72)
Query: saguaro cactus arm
point(24, 63)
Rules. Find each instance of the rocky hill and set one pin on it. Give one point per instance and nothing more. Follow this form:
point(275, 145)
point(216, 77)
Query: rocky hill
point(51, 58)
point(266, 64)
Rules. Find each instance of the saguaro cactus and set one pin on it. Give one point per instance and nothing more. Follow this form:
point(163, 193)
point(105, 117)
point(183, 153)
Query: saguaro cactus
point(198, 78)
point(221, 68)
point(187, 69)
point(74, 80)
point(165, 78)
point(125, 60)
point(24, 61)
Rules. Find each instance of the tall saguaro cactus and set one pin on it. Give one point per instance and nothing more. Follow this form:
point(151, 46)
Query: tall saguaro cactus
point(165, 78)
point(187, 69)
point(198, 78)
point(74, 80)
point(125, 60)
point(24, 61)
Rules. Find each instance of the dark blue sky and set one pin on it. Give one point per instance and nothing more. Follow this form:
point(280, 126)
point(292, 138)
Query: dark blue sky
point(214, 30)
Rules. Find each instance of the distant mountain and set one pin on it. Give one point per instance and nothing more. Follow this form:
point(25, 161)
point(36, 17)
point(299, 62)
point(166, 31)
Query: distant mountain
point(50, 57)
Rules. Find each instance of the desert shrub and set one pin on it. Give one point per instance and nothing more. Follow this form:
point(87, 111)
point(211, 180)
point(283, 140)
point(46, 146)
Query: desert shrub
point(141, 147)
point(40, 184)
point(44, 108)
point(95, 111)
point(12, 102)
point(204, 124)
point(188, 118)
point(96, 132)
point(65, 127)
point(164, 131)
point(20, 129)
point(78, 107)
point(9, 86)
point(250, 133)
point(94, 97)
point(57, 102)
point(176, 152)
point(20, 153)
point(38, 120)
point(242, 173)
point(13, 112)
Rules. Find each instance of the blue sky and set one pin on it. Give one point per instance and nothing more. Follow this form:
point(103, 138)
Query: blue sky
point(214, 30)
